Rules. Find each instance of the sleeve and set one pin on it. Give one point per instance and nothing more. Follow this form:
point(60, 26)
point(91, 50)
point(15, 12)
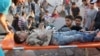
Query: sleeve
point(94, 15)
point(78, 9)
point(1, 52)
point(13, 23)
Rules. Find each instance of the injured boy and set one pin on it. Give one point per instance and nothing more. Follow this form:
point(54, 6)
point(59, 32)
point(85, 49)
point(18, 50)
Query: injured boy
point(63, 38)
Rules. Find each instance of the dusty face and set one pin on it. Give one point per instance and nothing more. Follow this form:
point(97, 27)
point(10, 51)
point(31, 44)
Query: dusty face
point(23, 36)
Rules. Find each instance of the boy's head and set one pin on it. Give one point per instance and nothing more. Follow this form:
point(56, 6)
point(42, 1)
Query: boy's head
point(78, 20)
point(69, 20)
point(20, 37)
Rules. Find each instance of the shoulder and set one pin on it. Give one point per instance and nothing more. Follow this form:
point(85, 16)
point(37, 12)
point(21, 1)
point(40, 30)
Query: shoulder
point(64, 26)
point(76, 28)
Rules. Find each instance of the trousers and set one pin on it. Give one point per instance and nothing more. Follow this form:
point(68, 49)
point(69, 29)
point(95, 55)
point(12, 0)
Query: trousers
point(73, 36)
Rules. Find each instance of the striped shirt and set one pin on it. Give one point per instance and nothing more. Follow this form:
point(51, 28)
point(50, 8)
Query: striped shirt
point(22, 23)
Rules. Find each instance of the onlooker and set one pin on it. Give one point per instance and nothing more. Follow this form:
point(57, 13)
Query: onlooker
point(45, 5)
point(19, 8)
point(42, 18)
point(68, 26)
point(22, 22)
point(67, 4)
point(47, 15)
point(31, 23)
point(55, 14)
point(91, 14)
point(37, 10)
point(15, 22)
point(32, 6)
point(27, 7)
point(13, 9)
point(83, 10)
point(77, 26)
point(96, 22)
point(75, 10)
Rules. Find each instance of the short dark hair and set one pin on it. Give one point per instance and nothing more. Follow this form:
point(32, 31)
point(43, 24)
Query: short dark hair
point(36, 1)
point(17, 39)
point(23, 13)
point(31, 17)
point(47, 11)
point(73, 3)
point(69, 17)
point(15, 1)
point(78, 17)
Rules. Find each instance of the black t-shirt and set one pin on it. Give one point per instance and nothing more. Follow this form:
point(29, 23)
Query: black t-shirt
point(65, 28)
point(77, 28)
point(15, 24)
point(97, 21)
point(75, 11)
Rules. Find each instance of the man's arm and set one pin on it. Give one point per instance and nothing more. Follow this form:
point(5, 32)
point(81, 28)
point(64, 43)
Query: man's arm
point(92, 26)
point(3, 23)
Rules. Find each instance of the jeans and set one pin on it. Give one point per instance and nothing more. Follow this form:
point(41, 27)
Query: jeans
point(37, 19)
point(72, 36)
point(67, 10)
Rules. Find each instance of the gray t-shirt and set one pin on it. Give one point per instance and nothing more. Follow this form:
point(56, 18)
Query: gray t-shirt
point(91, 14)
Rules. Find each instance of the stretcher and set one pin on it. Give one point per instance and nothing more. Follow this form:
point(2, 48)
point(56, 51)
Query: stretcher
point(8, 44)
